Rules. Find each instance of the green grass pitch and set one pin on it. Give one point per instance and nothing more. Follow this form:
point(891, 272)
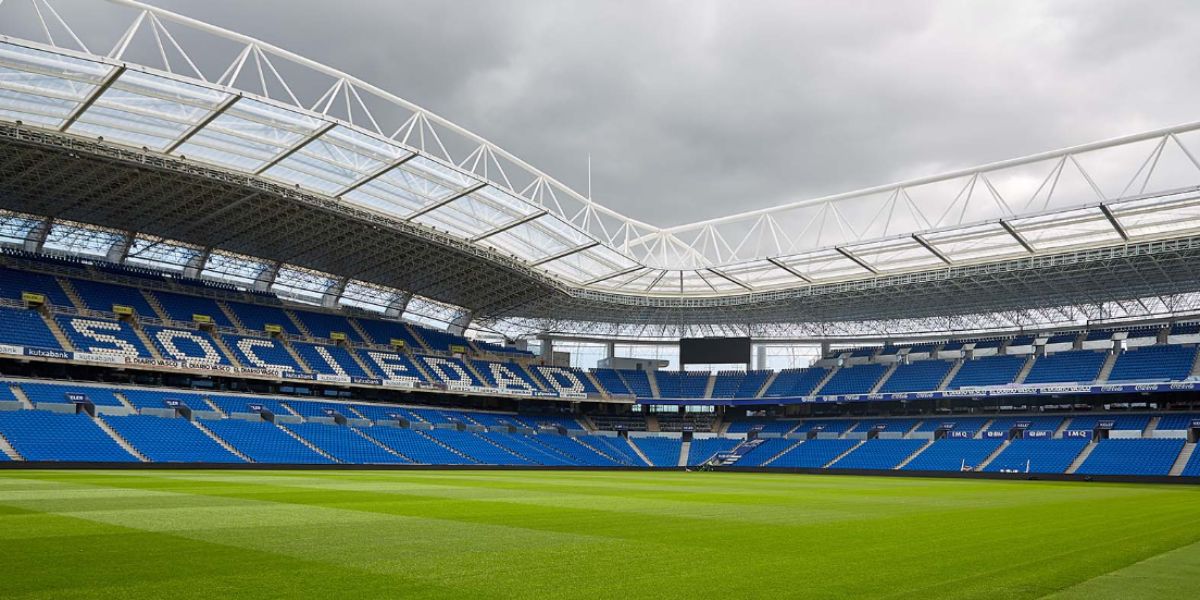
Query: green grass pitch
point(627, 535)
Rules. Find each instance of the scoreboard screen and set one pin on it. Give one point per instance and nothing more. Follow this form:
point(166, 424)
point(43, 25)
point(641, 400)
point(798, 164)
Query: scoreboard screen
point(712, 351)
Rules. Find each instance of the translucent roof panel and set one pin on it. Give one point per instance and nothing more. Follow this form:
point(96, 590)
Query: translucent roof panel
point(1152, 217)
point(75, 238)
point(335, 160)
point(762, 275)
point(301, 285)
point(474, 214)
point(160, 254)
point(366, 296)
point(249, 134)
point(42, 87)
point(900, 254)
point(15, 228)
point(981, 242)
point(235, 269)
point(1073, 228)
point(147, 110)
point(824, 265)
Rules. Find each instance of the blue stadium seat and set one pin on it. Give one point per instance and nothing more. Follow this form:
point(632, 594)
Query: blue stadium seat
point(564, 379)
point(505, 375)
point(323, 325)
point(1132, 457)
point(256, 317)
point(1077, 366)
point(102, 336)
point(477, 446)
point(186, 345)
point(611, 381)
point(764, 451)
point(813, 454)
point(262, 353)
point(142, 398)
point(794, 383)
point(98, 295)
point(739, 384)
point(169, 440)
point(1037, 455)
point(13, 283)
point(681, 384)
point(879, 454)
point(26, 328)
point(449, 370)
point(392, 366)
point(703, 449)
point(1154, 363)
point(637, 381)
point(264, 442)
point(662, 452)
point(952, 454)
point(46, 436)
point(344, 444)
point(918, 376)
point(383, 332)
point(416, 446)
point(987, 371)
point(853, 380)
point(57, 393)
point(181, 307)
point(329, 360)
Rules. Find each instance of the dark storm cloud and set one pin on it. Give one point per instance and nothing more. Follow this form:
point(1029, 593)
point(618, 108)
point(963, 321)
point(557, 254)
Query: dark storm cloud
point(694, 110)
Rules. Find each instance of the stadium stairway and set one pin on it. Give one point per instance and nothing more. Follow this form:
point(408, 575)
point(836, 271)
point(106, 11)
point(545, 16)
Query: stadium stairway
point(466, 459)
point(950, 375)
point(231, 315)
point(300, 326)
point(1079, 460)
point(119, 439)
point(987, 461)
point(843, 454)
point(224, 349)
point(362, 364)
point(71, 292)
point(1062, 426)
point(824, 380)
point(1195, 372)
point(766, 384)
point(56, 331)
point(1107, 368)
point(1182, 460)
point(910, 458)
point(654, 391)
point(789, 448)
point(291, 350)
point(685, 449)
point(152, 300)
point(603, 392)
point(883, 378)
point(12, 453)
point(708, 387)
point(124, 401)
point(216, 438)
point(144, 338)
point(19, 394)
point(1151, 426)
point(362, 333)
point(638, 451)
point(1024, 372)
point(300, 438)
point(382, 445)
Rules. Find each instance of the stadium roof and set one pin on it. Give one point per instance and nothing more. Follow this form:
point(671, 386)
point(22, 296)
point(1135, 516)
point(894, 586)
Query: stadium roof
point(272, 169)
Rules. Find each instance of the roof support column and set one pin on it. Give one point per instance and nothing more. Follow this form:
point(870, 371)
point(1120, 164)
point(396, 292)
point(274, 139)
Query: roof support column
point(398, 305)
point(266, 277)
point(120, 249)
point(36, 238)
point(334, 293)
point(194, 266)
point(460, 323)
point(547, 350)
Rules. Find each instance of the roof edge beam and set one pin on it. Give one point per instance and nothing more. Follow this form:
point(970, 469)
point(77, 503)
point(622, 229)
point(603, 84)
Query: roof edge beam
point(1112, 219)
point(1016, 235)
point(613, 275)
point(380, 172)
point(312, 137)
point(441, 203)
point(511, 224)
point(794, 272)
point(202, 123)
point(729, 279)
point(87, 103)
point(858, 261)
point(565, 253)
point(931, 248)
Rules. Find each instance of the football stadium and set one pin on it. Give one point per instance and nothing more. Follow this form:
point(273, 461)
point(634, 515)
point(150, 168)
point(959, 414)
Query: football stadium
point(269, 330)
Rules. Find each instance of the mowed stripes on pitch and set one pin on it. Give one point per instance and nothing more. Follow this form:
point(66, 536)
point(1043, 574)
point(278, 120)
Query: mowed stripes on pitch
point(542, 534)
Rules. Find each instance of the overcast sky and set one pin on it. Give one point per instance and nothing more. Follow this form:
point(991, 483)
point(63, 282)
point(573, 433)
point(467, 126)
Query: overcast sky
point(695, 109)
